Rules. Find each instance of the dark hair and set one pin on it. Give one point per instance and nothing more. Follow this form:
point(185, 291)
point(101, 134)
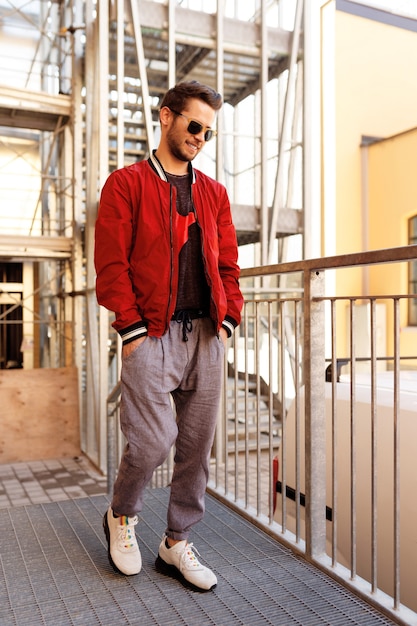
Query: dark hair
point(177, 97)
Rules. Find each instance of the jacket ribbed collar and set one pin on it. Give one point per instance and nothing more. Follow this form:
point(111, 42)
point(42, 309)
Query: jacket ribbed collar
point(157, 167)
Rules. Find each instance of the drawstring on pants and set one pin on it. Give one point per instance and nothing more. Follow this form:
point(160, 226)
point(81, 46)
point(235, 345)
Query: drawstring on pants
point(184, 317)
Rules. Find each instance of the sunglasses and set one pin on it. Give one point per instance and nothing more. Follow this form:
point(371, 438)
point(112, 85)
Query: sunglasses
point(195, 127)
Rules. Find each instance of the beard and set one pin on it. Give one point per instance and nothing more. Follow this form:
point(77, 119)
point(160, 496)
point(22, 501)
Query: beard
point(176, 147)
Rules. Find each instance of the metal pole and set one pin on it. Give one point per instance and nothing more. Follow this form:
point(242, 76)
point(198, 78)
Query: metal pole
point(146, 105)
point(220, 86)
point(172, 70)
point(312, 239)
point(315, 414)
point(120, 83)
point(285, 129)
point(264, 124)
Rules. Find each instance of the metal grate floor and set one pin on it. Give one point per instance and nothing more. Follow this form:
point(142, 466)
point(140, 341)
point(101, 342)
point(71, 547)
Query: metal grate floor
point(55, 572)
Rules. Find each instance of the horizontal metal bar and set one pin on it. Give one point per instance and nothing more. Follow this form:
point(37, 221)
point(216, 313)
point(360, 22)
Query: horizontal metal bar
point(356, 259)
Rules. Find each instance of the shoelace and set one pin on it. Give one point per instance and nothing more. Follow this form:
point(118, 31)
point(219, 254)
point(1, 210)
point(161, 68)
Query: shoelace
point(183, 317)
point(188, 556)
point(127, 532)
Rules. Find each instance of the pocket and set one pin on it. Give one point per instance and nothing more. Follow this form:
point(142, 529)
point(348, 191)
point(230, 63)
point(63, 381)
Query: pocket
point(136, 349)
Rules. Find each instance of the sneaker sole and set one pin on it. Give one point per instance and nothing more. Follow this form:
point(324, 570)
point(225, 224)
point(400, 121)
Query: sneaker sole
point(173, 572)
point(107, 534)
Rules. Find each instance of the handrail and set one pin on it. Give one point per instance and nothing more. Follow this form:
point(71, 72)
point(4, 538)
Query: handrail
point(355, 259)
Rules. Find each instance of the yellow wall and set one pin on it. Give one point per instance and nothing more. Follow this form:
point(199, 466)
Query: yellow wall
point(392, 181)
point(392, 200)
point(368, 88)
point(370, 81)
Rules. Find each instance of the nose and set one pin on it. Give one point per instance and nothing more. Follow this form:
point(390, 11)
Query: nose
point(201, 135)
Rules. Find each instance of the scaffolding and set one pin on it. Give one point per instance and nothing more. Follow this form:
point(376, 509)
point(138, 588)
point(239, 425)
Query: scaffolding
point(80, 88)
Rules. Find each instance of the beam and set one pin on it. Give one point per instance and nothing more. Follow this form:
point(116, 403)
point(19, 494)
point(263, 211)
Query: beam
point(20, 108)
point(14, 247)
point(199, 29)
point(246, 218)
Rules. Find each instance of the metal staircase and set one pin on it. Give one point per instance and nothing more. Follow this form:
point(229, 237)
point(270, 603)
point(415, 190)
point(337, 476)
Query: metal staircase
point(164, 43)
point(103, 68)
point(248, 418)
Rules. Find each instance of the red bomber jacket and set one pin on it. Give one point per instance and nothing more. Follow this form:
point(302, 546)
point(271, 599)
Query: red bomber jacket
point(137, 247)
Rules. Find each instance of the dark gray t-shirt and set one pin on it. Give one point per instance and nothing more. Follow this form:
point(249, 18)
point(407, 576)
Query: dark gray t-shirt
point(193, 290)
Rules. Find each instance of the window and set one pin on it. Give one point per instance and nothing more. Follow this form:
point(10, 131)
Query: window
point(412, 274)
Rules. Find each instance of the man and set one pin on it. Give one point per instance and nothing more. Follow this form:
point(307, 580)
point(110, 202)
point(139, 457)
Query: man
point(166, 261)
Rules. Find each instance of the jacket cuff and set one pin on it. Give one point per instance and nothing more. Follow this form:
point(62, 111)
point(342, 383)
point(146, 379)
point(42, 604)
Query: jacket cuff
point(229, 325)
point(133, 332)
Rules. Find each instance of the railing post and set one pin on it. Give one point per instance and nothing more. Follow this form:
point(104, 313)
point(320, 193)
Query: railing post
point(315, 413)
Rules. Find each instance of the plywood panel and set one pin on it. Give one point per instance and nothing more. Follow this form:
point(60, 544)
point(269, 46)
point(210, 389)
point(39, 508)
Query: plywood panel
point(39, 416)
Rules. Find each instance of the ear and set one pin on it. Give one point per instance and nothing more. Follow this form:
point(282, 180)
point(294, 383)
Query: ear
point(165, 114)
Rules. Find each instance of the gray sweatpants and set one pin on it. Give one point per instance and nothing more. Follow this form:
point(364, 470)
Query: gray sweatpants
point(191, 373)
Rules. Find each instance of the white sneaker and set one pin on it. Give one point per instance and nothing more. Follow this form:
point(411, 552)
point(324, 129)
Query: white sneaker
point(123, 549)
point(181, 559)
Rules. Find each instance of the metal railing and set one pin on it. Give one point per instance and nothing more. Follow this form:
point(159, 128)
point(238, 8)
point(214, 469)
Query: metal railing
point(309, 452)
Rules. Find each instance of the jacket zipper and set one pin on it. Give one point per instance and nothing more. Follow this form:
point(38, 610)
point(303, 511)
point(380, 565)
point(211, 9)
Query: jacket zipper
point(171, 234)
point(209, 282)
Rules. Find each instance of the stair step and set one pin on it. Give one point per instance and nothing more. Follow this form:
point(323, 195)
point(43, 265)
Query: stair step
point(252, 444)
